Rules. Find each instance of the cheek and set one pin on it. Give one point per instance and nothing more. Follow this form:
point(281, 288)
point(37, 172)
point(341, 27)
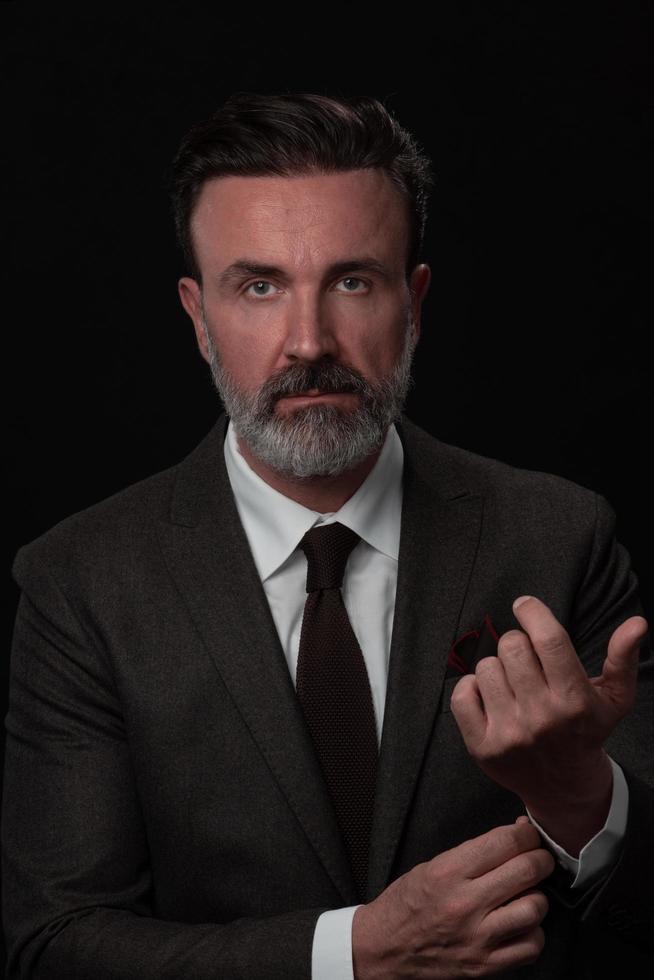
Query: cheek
point(247, 365)
point(376, 332)
point(249, 356)
point(378, 351)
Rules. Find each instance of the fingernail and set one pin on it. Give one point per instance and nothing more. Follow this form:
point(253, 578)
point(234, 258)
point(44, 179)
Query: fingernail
point(521, 599)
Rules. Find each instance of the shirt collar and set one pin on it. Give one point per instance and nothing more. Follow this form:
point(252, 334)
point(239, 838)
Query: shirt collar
point(275, 524)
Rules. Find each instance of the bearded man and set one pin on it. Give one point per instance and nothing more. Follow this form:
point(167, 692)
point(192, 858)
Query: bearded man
point(330, 698)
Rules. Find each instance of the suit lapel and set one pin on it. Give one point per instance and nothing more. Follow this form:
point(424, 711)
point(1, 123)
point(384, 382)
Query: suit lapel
point(441, 522)
point(208, 554)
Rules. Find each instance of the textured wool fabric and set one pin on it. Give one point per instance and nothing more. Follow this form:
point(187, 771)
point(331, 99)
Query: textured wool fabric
point(334, 691)
point(164, 812)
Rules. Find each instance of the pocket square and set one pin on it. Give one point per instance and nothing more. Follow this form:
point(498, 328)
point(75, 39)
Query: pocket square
point(472, 647)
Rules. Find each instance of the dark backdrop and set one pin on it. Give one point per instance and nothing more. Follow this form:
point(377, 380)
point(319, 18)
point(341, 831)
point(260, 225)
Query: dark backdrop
point(535, 329)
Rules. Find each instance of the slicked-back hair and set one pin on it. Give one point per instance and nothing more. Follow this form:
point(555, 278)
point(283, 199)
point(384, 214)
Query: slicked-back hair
point(295, 134)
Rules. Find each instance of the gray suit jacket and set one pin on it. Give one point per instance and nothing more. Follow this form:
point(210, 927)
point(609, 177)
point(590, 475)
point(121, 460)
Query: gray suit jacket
point(164, 812)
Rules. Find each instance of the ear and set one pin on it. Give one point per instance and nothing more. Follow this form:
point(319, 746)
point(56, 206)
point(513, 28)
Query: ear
point(418, 285)
point(190, 295)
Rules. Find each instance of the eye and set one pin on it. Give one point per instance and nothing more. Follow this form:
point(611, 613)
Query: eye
point(353, 279)
point(259, 282)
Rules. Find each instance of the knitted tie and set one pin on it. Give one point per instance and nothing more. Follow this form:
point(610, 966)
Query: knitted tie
point(334, 692)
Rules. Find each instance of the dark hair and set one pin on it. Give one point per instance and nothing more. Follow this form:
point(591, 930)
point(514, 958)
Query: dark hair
point(287, 135)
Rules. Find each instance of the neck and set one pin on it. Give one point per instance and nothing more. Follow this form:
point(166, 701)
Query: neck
point(324, 494)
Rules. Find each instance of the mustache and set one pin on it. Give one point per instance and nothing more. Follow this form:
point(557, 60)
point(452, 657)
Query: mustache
point(299, 378)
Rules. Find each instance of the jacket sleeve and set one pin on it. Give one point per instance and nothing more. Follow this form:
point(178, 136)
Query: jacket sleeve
point(77, 887)
point(617, 913)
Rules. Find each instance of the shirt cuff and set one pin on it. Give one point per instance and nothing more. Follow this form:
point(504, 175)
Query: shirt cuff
point(601, 851)
point(331, 954)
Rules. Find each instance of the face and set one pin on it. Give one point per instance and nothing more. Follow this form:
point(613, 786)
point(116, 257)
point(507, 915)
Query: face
point(305, 314)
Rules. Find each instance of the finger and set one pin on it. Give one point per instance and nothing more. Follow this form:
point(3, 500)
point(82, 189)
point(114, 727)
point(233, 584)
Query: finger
point(515, 917)
point(516, 952)
point(517, 875)
point(620, 669)
point(494, 848)
point(522, 667)
point(468, 710)
point(552, 645)
point(494, 689)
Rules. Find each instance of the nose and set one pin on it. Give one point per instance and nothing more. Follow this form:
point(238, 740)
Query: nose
point(309, 332)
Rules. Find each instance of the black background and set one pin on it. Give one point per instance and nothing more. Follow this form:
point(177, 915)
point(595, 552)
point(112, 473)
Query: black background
point(536, 327)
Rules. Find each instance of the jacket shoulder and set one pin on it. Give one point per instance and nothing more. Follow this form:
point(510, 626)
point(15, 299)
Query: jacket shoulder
point(115, 526)
point(456, 467)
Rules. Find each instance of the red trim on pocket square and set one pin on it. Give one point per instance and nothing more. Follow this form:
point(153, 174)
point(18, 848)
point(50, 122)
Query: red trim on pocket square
point(472, 646)
point(491, 629)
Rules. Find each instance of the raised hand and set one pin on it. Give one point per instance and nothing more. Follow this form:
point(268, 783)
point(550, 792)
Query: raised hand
point(536, 723)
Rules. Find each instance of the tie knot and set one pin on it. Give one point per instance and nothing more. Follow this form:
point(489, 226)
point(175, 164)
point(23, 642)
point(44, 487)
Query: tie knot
point(327, 549)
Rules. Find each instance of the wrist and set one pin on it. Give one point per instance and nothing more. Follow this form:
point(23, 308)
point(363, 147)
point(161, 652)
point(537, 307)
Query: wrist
point(575, 810)
point(362, 953)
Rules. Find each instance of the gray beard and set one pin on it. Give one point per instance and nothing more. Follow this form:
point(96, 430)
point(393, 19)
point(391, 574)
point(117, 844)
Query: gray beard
point(316, 440)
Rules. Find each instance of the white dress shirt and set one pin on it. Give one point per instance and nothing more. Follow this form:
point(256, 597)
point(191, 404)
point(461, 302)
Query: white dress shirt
point(274, 525)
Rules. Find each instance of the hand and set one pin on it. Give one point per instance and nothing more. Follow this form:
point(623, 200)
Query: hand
point(536, 723)
point(470, 911)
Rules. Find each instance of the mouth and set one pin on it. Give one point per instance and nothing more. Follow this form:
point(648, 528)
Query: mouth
point(315, 394)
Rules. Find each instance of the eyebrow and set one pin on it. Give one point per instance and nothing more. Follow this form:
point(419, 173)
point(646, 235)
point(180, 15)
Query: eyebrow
point(246, 267)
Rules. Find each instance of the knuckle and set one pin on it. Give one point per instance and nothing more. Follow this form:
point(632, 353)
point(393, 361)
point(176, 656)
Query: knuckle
point(486, 666)
point(553, 642)
point(405, 888)
point(475, 959)
point(573, 708)
point(534, 943)
point(538, 906)
point(513, 641)
point(474, 970)
point(532, 866)
point(418, 886)
point(456, 910)
point(431, 879)
point(447, 923)
point(537, 865)
point(461, 692)
point(544, 864)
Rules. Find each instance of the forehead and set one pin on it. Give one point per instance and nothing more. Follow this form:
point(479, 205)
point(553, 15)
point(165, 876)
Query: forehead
point(308, 218)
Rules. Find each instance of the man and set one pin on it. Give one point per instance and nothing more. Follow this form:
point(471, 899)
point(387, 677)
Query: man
point(221, 761)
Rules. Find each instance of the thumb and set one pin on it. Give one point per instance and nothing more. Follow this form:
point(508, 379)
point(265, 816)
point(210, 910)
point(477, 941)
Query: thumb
point(620, 669)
